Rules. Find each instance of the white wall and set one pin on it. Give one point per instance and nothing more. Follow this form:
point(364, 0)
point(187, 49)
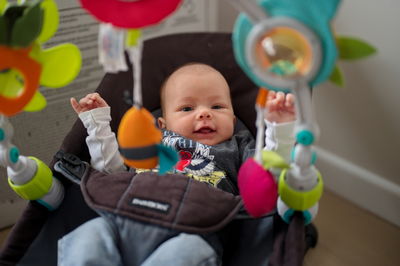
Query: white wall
point(360, 124)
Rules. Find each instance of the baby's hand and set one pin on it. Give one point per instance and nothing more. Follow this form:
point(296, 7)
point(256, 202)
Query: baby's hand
point(89, 102)
point(280, 107)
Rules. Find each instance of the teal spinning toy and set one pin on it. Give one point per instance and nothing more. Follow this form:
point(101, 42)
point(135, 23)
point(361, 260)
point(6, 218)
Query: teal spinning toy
point(286, 45)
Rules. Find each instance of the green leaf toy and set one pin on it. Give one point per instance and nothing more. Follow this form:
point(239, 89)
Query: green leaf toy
point(350, 48)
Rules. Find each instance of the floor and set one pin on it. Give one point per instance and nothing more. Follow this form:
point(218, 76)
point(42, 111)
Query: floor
point(348, 236)
point(3, 235)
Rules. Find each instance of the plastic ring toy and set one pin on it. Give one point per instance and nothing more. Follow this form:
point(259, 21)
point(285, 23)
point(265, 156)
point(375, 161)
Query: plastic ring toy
point(130, 14)
point(299, 200)
point(38, 186)
point(305, 137)
point(287, 217)
point(30, 70)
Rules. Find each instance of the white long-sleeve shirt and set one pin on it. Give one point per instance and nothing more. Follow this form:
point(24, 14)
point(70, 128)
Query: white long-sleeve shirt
point(105, 157)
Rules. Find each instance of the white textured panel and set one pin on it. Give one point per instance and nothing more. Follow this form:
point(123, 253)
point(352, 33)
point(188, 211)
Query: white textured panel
point(191, 16)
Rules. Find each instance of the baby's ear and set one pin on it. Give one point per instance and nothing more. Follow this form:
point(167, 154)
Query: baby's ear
point(234, 120)
point(161, 123)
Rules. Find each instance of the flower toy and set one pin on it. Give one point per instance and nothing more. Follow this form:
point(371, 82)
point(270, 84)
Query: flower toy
point(121, 21)
point(286, 45)
point(24, 65)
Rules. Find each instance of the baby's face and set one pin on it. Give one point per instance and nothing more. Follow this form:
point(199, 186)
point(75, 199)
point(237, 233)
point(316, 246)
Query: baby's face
point(197, 105)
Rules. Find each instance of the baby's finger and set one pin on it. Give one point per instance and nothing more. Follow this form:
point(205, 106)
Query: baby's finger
point(75, 105)
point(270, 99)
point(271, 95)
point(280, 95)
point(85, 101)
point(280, 98)
point(289, 100)
point(101, 101)
point(93, 96)
point(97, 100)
point(89, 99)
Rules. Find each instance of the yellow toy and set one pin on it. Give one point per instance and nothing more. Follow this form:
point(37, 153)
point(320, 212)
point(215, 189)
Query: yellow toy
point(24, 66)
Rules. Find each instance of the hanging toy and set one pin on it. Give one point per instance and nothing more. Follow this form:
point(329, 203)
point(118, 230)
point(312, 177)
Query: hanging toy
point(130, 14)
point(120, 30)
point(120, 26)
point(24, 65)
point(257, 186)
point(286, 45)
point(139, 142)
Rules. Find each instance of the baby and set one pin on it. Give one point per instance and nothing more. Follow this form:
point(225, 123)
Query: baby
point(197, 114)
point(199, 122)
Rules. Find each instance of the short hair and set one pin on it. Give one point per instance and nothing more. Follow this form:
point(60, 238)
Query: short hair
point(164, 84)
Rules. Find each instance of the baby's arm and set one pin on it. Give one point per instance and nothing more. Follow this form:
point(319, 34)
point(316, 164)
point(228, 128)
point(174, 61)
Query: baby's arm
point(94, 113)
point(280, 116)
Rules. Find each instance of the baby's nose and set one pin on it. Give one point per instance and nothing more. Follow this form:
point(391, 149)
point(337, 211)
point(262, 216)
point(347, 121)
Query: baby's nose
point(204, 114)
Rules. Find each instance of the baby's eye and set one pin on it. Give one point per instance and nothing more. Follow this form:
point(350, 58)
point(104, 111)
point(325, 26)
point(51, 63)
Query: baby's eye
point(186, 109)
point(216, 107)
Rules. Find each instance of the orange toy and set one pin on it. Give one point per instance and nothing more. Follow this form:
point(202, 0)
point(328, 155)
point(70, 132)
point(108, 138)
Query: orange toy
point(30, 69)
point(138, 138)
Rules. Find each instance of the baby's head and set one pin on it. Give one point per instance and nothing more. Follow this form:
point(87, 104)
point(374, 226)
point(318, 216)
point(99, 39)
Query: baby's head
point(196, 104)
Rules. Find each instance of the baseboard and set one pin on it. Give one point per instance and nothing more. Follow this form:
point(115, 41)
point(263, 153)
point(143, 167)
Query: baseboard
point(360, 186)
point(11, 211)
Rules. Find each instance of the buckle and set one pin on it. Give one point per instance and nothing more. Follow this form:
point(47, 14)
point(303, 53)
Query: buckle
point(68, 158)
point(71, 158)
point(70, 165)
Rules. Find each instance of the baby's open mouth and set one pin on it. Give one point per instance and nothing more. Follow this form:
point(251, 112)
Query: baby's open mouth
point(205, 130)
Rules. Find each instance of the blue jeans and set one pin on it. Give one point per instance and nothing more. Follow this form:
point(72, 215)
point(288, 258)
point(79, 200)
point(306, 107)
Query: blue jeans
point(114, 240)
point(183, 250)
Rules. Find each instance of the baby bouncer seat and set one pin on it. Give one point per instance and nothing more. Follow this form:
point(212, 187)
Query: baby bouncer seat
point(249, 241)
